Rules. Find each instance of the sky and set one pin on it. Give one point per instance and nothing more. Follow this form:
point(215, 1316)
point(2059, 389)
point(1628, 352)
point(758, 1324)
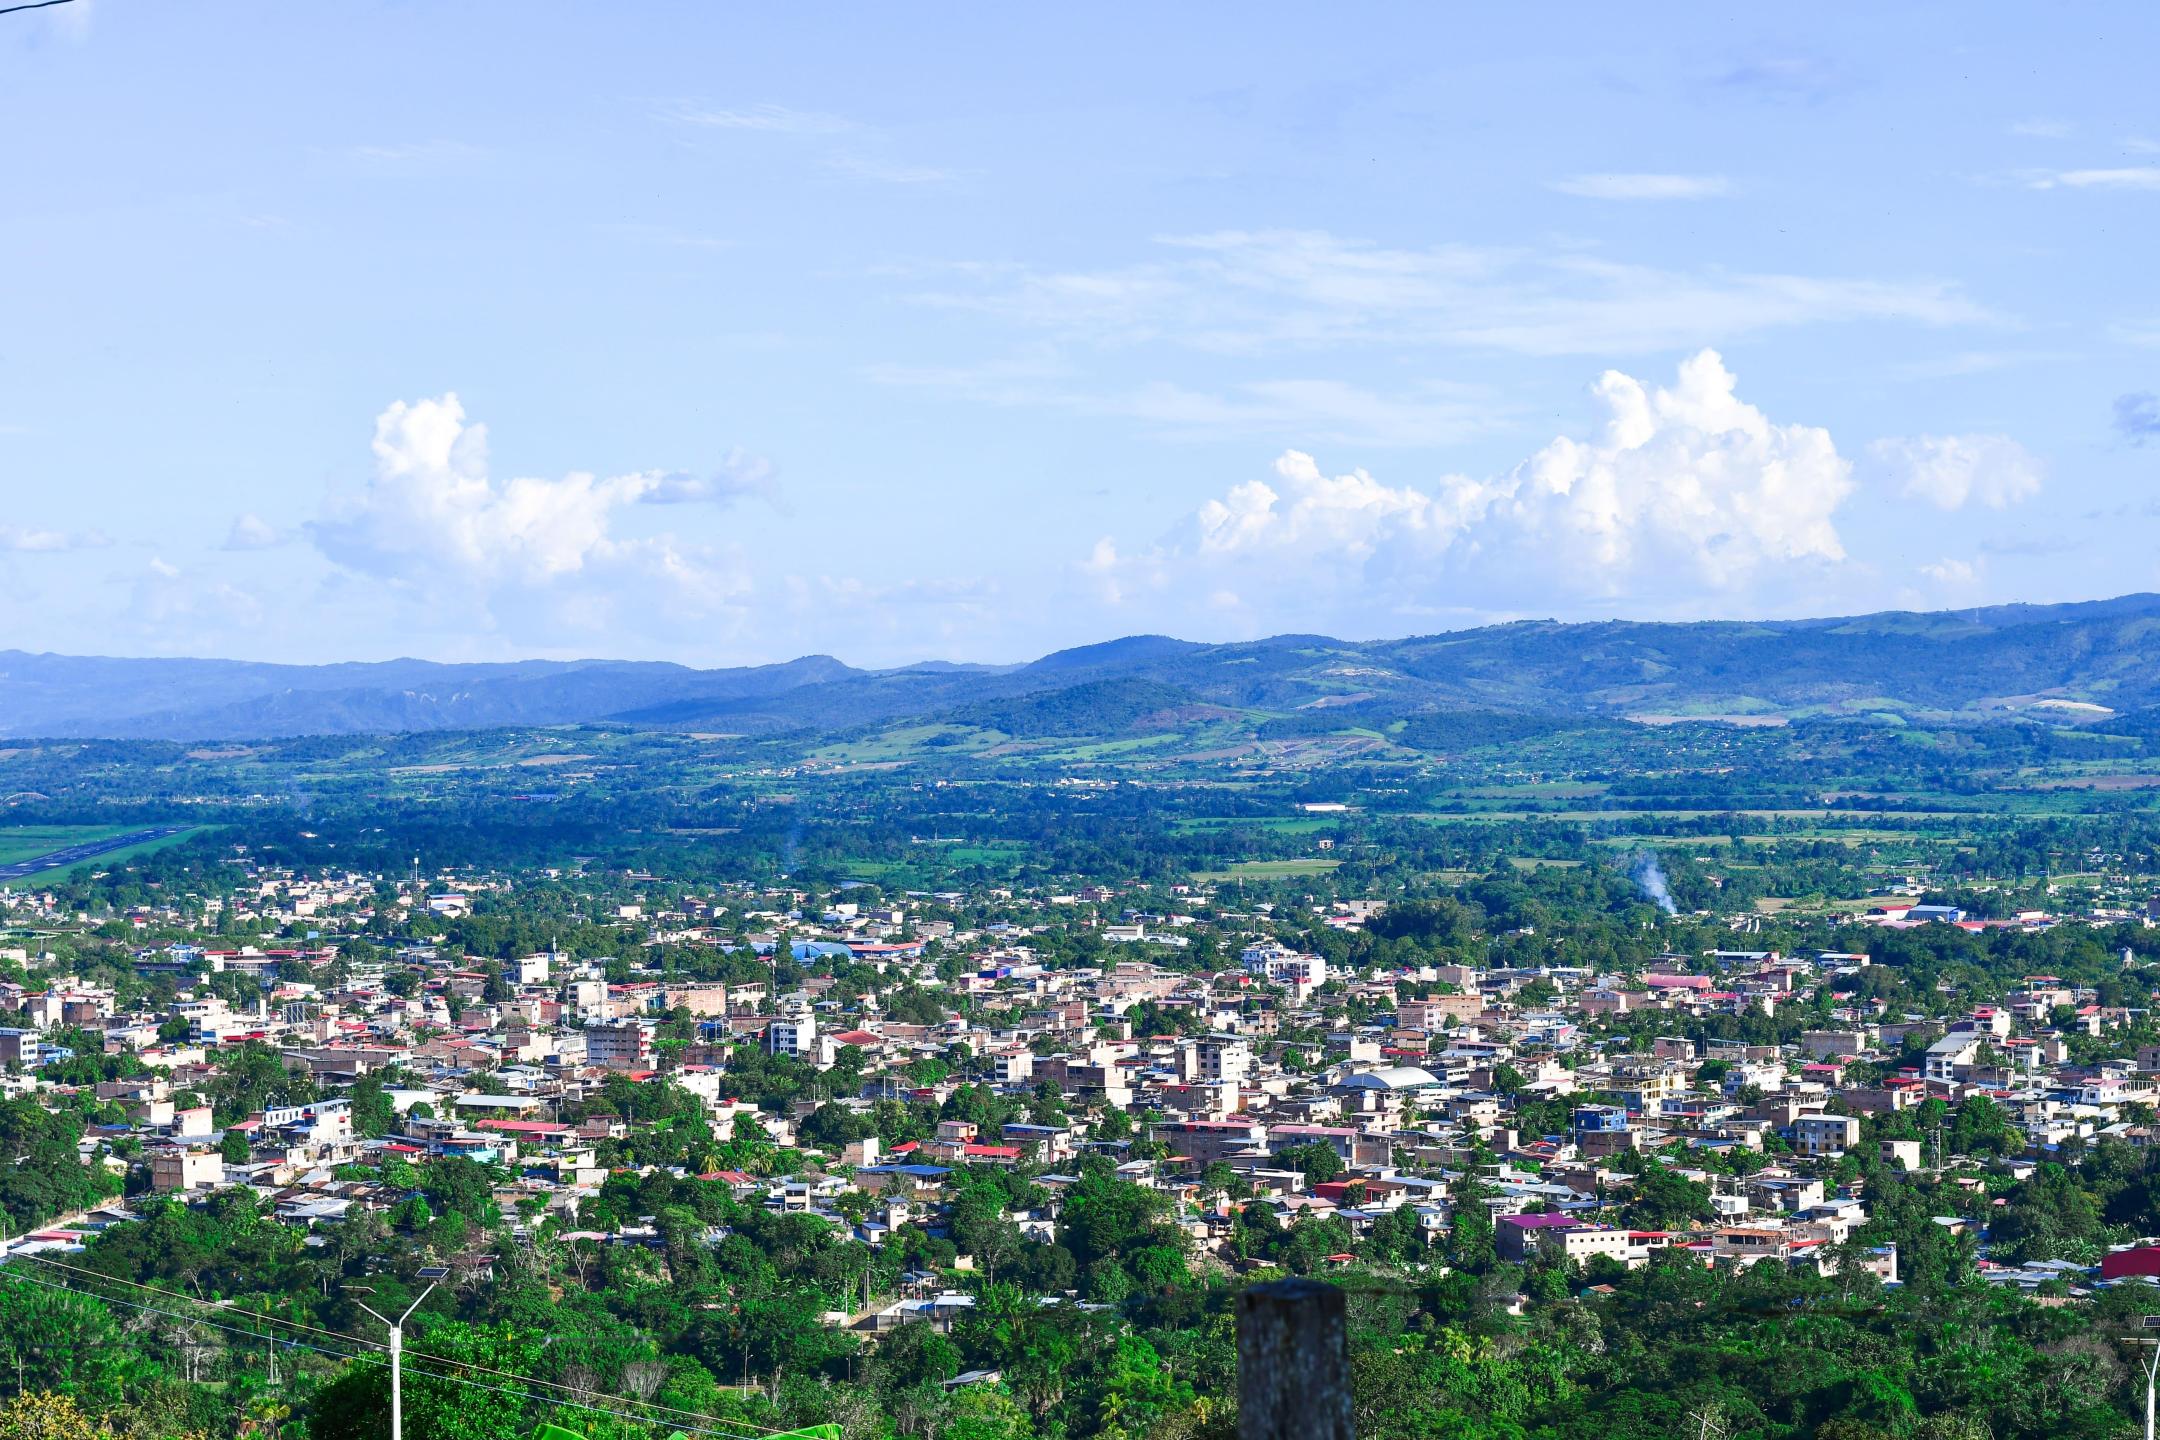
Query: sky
point(725, 334)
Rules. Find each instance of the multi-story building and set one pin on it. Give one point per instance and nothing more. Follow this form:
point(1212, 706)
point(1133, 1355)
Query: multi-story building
point(793, 1034)
point(620, 1045)
point(1225, 1061)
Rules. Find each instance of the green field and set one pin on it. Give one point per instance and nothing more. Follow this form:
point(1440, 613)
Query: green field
point(72, 835)
point(27, 842)
point(1279, 824)
point(1268, 870)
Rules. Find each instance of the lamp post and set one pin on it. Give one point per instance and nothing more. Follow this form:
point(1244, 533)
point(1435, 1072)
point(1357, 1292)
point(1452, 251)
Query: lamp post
point(2152, 1365)
point(433, 1274)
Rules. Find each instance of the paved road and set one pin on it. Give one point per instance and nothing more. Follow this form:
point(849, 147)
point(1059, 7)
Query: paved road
point(87, 850)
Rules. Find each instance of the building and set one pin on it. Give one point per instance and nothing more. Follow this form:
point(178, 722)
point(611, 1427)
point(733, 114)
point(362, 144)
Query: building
point(1952, 1054)
point(180, 1170)
point(1206, 1141)
point(1602, 1130)
point(1818, 1135)
point(620, 1045)
point(793, 1035)
point(1225, 1062)
point(1558, 1236)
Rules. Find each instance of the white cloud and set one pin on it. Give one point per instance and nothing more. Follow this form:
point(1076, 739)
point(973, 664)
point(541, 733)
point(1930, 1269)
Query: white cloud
point(891, 172)
point(740, 475)
point(1266, 291)
point(431, 505)
point(1952, 471)
point(1339, 516)
point(252, 532)
point(432, 518)
point(416, 157)
point(1682, 487)
point(50, 542)
point(2121, 177)
point(1636, 186)
point(1313, 409)
point(2143, 332)
point(1690, 473)
point(838, 143)
point(178, 611)
point(770, 119)
point(1951, 571)
point(1426, 414)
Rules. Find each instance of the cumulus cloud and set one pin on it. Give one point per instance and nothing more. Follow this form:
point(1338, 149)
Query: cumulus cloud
point(1345, 516)
point(1951, 571)
point(1952, 471)
point(431, 505)
point(1690, 473)
point(1684, 484)
point(2137, 417)
point(1640, 186)
point(432, 517)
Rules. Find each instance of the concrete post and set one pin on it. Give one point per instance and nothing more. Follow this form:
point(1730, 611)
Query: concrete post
point(1293, 1362)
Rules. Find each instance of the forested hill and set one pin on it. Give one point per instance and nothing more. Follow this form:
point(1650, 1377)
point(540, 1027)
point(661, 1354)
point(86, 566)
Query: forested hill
point(2076, 663)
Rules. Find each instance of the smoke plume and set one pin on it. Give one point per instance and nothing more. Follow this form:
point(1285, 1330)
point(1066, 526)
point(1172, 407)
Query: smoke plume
point(1650, 878)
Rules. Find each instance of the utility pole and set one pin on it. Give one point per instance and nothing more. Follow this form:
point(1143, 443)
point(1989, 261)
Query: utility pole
point(2152, 1366)
point(433, 1274)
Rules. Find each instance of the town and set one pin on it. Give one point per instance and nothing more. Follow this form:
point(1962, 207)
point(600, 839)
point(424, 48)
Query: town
point(862, 1062)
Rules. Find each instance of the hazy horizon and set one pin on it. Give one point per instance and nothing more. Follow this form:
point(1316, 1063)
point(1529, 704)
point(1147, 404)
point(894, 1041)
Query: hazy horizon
point(1009, 662)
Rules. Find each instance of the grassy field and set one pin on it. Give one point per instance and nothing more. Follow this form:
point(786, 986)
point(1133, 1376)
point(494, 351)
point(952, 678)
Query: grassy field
point(1590, 816)
point(107, 861)
point(27, 842)
point(1857, 836)
point(1279, 824)
point(1268, 870)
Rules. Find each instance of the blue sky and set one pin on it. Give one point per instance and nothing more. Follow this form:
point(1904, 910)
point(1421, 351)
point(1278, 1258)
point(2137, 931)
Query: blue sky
point(726, 334)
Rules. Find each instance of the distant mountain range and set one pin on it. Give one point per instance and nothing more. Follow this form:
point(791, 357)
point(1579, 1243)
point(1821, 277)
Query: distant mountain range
point(2069, 662)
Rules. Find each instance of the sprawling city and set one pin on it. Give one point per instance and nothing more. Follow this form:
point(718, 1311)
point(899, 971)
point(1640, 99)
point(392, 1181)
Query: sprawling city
point(1216, 722)
point(1799, 1075)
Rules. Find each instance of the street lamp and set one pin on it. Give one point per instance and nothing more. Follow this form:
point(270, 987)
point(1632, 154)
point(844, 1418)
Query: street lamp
point(433, 1274)
point(2152, 1365)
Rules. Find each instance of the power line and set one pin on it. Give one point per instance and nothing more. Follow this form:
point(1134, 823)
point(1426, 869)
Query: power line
point(744, 1429)
point(34, 5)
point(220, 1306)
point(67, 1289)
point(372, 1356)
point(600, 1409)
